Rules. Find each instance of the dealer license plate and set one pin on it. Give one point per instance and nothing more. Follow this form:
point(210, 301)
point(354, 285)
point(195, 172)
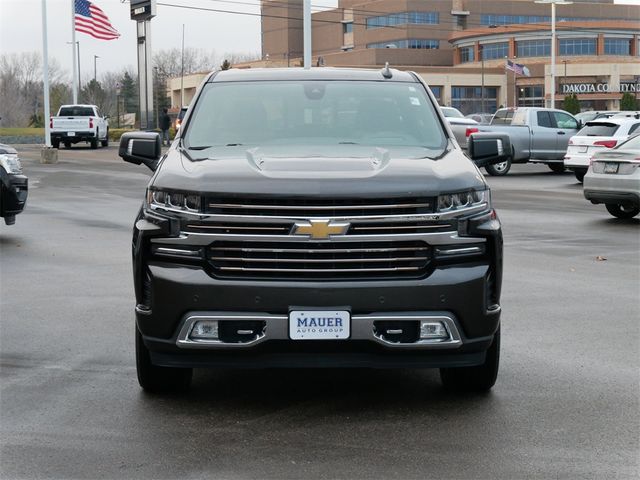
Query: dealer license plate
point(611, 167)
point(71, 134)
point(319, 325)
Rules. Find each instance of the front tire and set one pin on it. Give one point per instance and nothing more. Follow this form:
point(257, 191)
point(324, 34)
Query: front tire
point(622, 211)
point(153, 378)
point(475, 379)
point(499, 169)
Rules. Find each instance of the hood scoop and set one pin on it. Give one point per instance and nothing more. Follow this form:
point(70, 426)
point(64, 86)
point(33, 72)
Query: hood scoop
point(357, 162)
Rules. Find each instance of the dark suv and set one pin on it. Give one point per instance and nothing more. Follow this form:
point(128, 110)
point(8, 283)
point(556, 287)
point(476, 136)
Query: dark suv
point(14, 186)
point(316, 218)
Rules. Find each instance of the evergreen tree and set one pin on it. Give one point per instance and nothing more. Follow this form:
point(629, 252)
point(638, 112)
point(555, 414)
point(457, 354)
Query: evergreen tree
point(129, 93)
point(628, 102)
point(571, 104)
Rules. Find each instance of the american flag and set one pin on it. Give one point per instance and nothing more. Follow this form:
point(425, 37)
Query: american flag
point(90, 19)
point(517, 68)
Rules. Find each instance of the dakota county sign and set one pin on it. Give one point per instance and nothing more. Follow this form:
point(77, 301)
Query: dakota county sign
point(600, 88)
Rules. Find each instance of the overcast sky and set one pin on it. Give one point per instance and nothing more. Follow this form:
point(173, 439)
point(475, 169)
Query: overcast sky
point(21, 26)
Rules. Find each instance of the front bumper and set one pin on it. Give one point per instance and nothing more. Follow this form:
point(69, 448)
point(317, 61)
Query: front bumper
point(15, 189)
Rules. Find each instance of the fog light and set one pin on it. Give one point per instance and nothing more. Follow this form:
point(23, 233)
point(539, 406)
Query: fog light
point(205, 330)
point(433, 331)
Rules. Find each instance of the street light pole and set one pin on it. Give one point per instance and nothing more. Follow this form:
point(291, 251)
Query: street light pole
point(553, 44)
point(95, 69)
point(481, 52)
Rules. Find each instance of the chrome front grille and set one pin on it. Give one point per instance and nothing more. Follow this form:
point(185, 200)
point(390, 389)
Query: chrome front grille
point(322, 208)
point(311, 260)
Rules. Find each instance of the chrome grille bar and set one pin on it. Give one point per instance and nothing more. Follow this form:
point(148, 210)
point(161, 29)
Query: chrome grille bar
point(319, 260)
point(311, 207)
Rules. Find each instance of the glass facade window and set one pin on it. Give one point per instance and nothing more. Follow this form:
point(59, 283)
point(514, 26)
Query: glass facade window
point(531, 96)
point(577, 46)
point(347, 27)
point(403, 18)
point(407, 43)
point(617, 46)
point(491, 51)
point(467, 54)
point(497, 19)
point(437, 92)
point(469, 99)
point(533, 48)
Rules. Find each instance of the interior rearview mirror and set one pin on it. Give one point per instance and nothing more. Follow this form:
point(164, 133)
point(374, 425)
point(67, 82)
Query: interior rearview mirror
point(141, 147)
point(488, 148)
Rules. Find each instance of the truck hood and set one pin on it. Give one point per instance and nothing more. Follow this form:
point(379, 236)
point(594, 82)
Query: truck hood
point(342, 170)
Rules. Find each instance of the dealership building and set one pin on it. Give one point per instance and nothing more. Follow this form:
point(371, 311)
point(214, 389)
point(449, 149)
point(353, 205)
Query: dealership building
point(458, 46)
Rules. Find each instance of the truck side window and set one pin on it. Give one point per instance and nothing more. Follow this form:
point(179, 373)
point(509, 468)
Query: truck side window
point(565, 121)
point(544, 120)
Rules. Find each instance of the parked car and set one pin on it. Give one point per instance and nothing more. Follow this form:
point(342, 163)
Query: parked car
point(614, 179)
point(538, 135)
point(79, 123)
point(481, 118)
point(589, 116)
point(181, 114)
point(459, 124)
point(594, 136)
point(627, 114)
point(14, 185)
point(321, 217)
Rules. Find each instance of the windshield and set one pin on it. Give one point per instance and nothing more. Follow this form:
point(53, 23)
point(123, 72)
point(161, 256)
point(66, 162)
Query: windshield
point(451, 112)
point(632, 144)
point(314, 113)
point(598, 129)
point(76, 112)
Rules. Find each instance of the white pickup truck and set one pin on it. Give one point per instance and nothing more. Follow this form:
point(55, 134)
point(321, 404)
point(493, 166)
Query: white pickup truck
point(79, 123)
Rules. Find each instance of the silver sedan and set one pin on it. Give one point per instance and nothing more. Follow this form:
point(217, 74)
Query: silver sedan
point(614, 179)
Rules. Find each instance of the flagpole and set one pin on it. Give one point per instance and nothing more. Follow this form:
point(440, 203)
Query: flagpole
point(45, 76)
point(73, 50)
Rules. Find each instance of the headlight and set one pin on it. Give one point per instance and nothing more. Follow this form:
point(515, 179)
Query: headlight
point(11, 163)
point(449, 202)
point(188, 202)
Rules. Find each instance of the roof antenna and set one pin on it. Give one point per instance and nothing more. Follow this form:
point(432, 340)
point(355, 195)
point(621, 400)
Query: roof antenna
point(386, 71)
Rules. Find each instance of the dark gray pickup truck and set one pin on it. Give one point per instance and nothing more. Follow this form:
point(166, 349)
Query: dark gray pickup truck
point(316, 218)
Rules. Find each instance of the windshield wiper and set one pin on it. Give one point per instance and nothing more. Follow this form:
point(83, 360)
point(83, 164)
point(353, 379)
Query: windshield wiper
point(200, 147)
point(348, 143)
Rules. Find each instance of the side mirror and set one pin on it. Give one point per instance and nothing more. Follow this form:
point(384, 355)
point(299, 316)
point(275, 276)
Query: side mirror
point(488, 148)
point(141, 147)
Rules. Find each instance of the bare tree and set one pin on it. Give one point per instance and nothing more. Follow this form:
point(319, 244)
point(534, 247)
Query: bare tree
point(169, 62)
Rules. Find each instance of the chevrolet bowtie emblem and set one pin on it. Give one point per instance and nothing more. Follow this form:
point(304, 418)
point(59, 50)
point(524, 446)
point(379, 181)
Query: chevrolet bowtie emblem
point(320, 229)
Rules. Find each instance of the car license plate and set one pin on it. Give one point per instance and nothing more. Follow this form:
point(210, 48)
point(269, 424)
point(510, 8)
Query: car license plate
point(319, 324)
point(71, 134)
point(582, 149)
point(610, 167)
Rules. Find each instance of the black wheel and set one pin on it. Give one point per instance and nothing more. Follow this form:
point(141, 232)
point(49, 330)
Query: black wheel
point(55, 143)
point(580, 175)
point(475, 379)
point(153, 378)
point(556, 167)
point(67, 144)
point(499, 169)
point(105, 142)
point(94, 143)
point(622, 211)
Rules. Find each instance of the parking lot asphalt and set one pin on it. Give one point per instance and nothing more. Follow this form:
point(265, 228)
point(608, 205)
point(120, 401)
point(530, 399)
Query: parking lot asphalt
point(565, 404)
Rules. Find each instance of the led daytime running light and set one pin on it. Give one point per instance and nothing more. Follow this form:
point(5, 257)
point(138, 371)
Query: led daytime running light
point(175, 200)
point(454, 201)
